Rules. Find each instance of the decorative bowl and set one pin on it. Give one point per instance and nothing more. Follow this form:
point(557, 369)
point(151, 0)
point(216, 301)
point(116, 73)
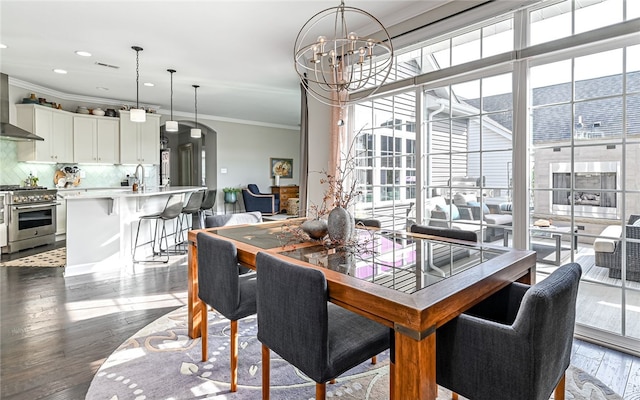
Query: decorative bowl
point(98, 111)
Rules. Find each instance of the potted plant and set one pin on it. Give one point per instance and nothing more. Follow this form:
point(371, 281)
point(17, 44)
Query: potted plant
point(231, 194)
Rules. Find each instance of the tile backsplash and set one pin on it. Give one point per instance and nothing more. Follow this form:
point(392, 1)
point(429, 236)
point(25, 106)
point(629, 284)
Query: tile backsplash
point(14, 172)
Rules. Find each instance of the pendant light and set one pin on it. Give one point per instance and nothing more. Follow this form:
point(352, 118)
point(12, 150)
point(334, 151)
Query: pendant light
point(171, 126)
point(196, 132)
point(137, 114)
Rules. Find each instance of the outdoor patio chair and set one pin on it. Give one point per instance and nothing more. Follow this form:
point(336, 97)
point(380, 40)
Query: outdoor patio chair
point(608, 252)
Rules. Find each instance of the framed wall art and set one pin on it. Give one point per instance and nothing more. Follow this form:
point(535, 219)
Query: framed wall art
point(282, 167)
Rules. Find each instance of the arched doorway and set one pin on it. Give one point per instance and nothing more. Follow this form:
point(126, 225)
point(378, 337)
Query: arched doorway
point(191, 161)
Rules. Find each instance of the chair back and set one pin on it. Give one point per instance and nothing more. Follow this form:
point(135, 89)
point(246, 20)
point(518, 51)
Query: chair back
point(292, 313)
point(547, 317)
point(371, 222)
point(209, 199)
point(194, 202)
point(253, 188)
point(445, 232)
point(218, 279)
point(173, 208)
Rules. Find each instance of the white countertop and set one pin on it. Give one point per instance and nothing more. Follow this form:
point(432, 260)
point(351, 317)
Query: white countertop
point(100, 193)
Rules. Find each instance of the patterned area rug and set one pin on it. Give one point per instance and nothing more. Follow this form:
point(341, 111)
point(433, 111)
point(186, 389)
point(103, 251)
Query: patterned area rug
point(161, 362)
point(52, 258)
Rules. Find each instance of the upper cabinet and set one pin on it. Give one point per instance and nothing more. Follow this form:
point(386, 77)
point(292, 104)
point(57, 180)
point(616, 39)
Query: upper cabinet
point(139, 141)
point(96, 139)
point(54, 126)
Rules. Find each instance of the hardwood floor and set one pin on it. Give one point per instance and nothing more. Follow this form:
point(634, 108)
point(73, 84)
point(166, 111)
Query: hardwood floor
point(56, 332)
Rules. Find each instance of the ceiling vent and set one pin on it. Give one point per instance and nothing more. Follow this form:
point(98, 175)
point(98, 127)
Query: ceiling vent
point(107, 65)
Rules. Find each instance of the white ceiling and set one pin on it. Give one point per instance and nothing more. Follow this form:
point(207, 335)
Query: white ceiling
point(239, 52)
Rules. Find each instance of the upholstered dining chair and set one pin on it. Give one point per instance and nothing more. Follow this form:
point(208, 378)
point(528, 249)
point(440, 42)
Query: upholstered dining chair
point(296, 320)
point(515, 344)
point(221, 286)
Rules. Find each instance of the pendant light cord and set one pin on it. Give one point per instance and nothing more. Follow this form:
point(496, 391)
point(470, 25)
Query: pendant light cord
point(137, 77)
point(196, 103)
point(171, 71)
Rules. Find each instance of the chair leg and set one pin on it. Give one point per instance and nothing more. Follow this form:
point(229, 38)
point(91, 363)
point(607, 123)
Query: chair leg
point(204, 327)
point(454, 396)
point(333, 381)
point(266, 369)
point(558, 394)
point(374, 360)
point(321, 391)
point(234, 356)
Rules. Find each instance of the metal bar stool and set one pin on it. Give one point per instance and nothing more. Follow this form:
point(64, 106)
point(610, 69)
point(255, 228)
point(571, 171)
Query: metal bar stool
point(190, 209)
point(171, 211)
point(207, 205)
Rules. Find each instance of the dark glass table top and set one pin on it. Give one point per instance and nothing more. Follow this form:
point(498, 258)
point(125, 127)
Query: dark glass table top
point(396, 260)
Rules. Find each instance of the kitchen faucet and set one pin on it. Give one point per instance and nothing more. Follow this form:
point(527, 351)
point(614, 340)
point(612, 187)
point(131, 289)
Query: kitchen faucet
point(140, 178)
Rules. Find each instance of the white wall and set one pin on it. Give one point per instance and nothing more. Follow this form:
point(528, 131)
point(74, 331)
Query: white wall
point(245, 150)
point(319, 130)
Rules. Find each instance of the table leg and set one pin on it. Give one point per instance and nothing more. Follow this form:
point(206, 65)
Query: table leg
point(193, 301)
point(415, 367)
point(558, 239)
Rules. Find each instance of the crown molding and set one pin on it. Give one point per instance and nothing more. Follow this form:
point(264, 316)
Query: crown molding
point(229, 120)
point(32, 87)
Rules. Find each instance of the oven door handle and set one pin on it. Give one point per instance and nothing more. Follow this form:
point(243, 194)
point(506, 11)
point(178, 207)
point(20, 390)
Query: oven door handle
point(35, 206)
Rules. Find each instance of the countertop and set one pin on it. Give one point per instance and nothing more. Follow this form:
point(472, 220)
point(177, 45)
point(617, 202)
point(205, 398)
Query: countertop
point(117, 192)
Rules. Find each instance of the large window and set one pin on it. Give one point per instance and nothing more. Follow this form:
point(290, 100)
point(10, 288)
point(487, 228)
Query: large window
point(560, 129)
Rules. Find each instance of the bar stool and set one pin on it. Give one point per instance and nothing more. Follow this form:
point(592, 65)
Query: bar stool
point(171, 211)
point(207, 205)
point(192, 207)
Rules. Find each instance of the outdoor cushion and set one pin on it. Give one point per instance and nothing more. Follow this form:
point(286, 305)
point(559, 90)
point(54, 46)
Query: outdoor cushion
point(485, 208)
point(450, 209)
point(605, 245)
point(461, 199)
point(498, 219)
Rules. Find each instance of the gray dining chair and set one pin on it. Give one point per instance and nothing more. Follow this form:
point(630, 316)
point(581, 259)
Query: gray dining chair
point(221, 286)
point(296, 320)
point(515, 344)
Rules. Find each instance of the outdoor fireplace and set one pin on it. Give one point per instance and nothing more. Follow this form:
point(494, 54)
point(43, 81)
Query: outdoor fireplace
point(594, 188)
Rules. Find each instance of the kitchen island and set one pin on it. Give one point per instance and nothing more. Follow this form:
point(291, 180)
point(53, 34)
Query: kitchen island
point(101, 225)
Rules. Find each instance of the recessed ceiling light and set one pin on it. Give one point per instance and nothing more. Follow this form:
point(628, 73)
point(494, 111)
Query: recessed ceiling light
point(59, 71)
point(102, 88)
point(3, 46)
point(83, 53)
point(149, 84)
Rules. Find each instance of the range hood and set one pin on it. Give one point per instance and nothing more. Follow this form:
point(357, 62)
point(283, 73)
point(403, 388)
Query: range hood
point(8, 131)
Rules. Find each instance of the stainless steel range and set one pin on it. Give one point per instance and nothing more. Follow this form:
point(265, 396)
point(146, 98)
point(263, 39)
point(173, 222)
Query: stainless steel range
point(30, 217)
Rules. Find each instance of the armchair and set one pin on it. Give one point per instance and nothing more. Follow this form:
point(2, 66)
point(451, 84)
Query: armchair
point(608, 251)
point(266, 203)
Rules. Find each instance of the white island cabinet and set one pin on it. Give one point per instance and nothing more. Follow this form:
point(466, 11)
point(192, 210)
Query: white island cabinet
point(101, 226)
point(139, 141)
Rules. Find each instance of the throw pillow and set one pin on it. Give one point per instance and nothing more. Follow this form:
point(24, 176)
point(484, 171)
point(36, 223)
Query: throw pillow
point(485, 208)
point(461, 199)
point(506, 207)
point(451, 210)
point(636, 222)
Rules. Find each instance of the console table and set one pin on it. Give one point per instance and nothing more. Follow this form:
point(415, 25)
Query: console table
point(285, 192)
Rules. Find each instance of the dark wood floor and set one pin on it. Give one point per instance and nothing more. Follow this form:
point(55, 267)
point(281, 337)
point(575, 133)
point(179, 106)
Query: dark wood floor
point(56, 332)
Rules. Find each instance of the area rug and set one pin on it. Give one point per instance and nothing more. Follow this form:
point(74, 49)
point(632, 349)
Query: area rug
point(161, 362)
point(51, 258)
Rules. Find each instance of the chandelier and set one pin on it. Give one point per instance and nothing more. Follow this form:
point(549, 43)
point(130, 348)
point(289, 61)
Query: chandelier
point(332, 66)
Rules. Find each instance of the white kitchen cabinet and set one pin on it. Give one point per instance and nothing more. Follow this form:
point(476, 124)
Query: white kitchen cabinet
point(139, 141)
point(54, 126)
point(96, 139)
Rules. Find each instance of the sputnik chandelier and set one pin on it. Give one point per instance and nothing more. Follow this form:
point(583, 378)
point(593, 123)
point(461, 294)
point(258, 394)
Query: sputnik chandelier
point(332, 66)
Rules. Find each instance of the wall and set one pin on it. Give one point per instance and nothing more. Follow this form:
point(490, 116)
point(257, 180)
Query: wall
point(244, 151)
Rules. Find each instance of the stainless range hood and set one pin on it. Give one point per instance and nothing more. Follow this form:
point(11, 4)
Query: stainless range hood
point(8, 131)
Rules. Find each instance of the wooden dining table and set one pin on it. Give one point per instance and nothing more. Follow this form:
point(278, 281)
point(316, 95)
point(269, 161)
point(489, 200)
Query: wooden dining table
point(409, 282)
